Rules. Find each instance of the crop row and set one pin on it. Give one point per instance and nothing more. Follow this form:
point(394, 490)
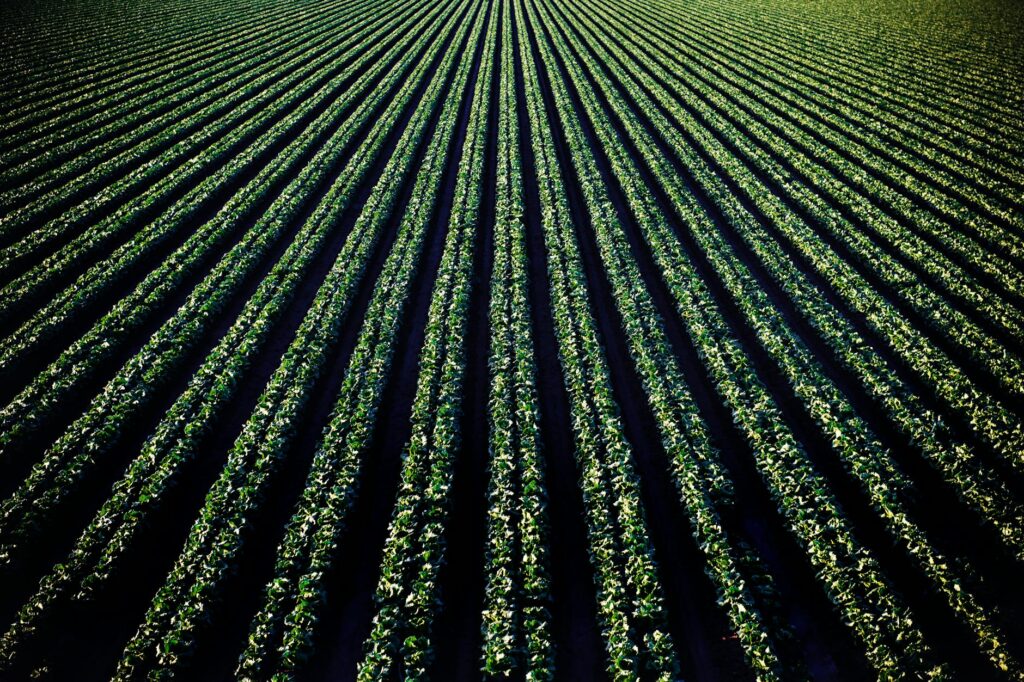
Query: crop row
point(957, 458)
point(47, 161)
point(811, 229)
point(214, 546)
point(105, 67)
point(105, 218)
point(516, 620)
point(407, 595)
point(838, 422)
point(175, 441)
point(925, 101)
point(214, 292)
point(630, 603)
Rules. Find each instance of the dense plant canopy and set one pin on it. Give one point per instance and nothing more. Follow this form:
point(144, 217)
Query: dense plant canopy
point(512, 339)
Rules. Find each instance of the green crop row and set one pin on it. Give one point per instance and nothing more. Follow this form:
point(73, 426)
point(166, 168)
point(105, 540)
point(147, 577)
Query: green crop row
point(516, 620)
point(177, 437)
point(216, 540)
point(838, 422)
point(63, 82)
point(630, 603)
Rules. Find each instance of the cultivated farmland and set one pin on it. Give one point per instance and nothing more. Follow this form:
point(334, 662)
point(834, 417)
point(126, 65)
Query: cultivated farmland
point(512, 339)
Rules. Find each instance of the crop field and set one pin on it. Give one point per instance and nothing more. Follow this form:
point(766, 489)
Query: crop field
point(511, 339)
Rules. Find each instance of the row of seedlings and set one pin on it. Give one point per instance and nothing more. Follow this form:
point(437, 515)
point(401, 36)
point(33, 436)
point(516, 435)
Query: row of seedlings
point(407, 597)
point(630, 602)
point(306, 162)
point(98, 430)
point(850, 436)
point(214, 545)
point(742, 162)
point(956, 458)
point(282, 632)
point(97, 553)
point(46, 162)
point(100, 220)
point(516, 622)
